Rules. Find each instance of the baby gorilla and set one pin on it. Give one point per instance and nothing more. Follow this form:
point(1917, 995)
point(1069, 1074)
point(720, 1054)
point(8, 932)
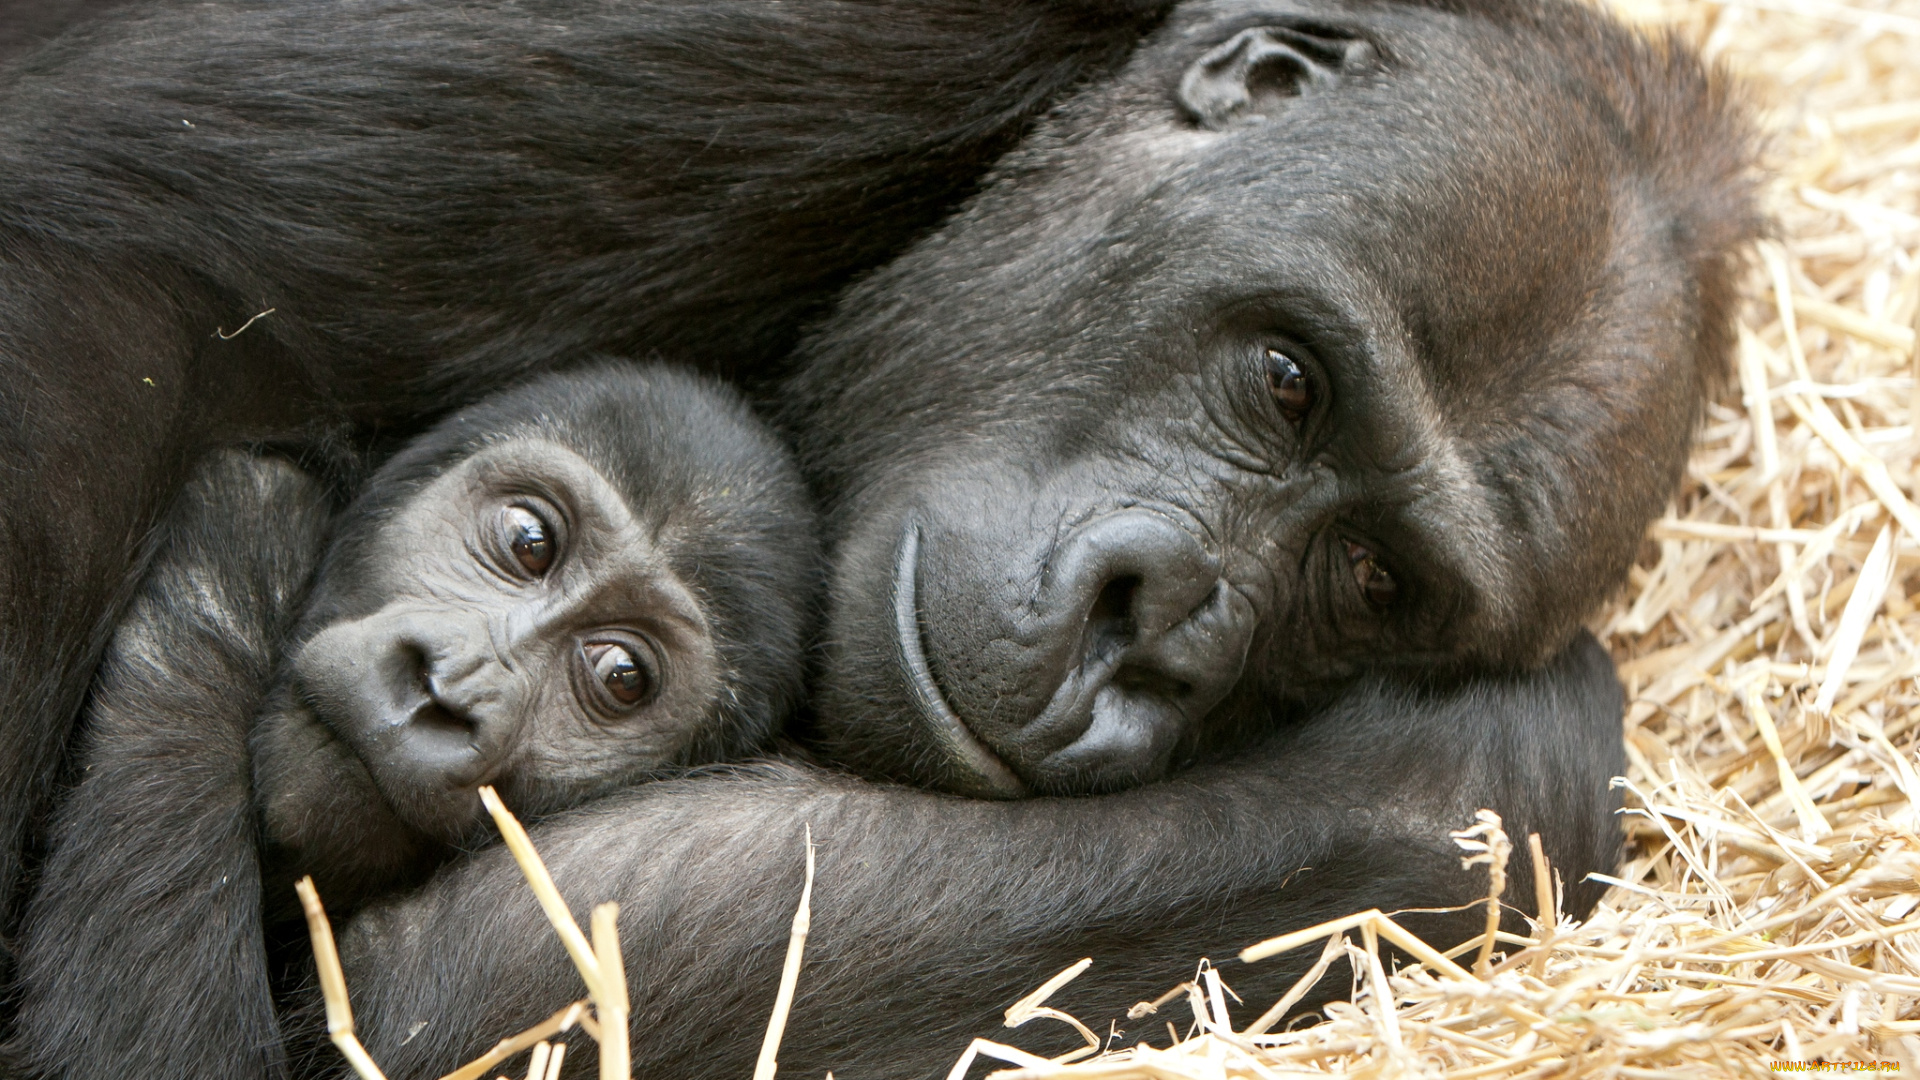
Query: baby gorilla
point(555, 593)
point(563, 589)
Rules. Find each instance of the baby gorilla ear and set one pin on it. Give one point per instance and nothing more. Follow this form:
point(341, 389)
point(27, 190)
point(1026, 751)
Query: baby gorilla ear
point(1255, 68)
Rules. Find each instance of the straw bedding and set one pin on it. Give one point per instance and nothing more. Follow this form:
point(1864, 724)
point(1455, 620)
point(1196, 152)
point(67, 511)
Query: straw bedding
point(1769, 640)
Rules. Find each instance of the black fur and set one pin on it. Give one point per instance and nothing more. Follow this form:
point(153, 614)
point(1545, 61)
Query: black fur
point(26, 23)
point(143, 944)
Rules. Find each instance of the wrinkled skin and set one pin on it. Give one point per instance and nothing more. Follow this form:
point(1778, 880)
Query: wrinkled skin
point(573, 586)
point(1327, 337)
point(505, 585)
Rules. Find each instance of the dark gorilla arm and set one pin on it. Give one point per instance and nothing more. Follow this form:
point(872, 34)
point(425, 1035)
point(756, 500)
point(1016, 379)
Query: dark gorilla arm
point(494, 186)
point(142, 946)
point(931, 914)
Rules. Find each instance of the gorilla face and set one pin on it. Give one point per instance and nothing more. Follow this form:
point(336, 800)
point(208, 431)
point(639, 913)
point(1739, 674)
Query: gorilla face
point(532, 635)
point(1337, 337)
point(557, 591)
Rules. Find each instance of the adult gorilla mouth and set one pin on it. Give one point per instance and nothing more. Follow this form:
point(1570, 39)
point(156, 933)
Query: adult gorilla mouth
point(1094, 680)
point(978, 771)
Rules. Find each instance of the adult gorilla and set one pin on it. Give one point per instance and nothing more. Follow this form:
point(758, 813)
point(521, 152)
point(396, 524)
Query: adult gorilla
point(1322, 337)
point(433, 198)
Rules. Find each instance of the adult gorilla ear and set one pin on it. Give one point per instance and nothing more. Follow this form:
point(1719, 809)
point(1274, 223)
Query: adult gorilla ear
point(1256, 68)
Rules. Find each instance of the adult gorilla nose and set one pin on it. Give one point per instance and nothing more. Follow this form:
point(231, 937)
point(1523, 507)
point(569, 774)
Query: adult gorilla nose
point(1158, 639)
point(1092, 680)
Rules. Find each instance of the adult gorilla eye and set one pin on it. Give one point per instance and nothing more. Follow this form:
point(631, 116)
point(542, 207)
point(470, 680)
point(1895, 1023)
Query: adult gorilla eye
point(1290, 384)
point(617, 668)
point(530, 540)
point(1376, 584)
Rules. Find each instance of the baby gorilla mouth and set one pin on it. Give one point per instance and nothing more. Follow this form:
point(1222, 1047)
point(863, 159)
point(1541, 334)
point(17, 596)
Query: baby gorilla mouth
point(1131, 639)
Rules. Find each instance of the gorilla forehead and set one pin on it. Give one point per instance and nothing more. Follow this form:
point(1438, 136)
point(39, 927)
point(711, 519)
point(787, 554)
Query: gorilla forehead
point(1446, 203)
point(700, 474)
point(664, 437)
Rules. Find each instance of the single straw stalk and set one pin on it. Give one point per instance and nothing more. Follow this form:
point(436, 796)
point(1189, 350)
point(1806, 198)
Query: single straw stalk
point(598, 962)
point(558, 1024)
point(333, 983)
point(764, 1068)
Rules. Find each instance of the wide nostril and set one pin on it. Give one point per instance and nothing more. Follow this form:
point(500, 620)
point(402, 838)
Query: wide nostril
point(414, 656)
point(1110, 620)
point(434, 729)
point(438, 747)
point(1149, 680)
point(435, 716)
point(1135, 574)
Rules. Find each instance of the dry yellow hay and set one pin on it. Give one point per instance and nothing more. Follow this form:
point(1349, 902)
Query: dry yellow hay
point(1768, 641)
point(1766, 914)
point(599, 962)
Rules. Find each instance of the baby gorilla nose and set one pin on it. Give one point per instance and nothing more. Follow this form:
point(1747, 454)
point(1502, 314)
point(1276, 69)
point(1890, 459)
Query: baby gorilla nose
point(1090, 682)
point(439, 742)
point(392, 693)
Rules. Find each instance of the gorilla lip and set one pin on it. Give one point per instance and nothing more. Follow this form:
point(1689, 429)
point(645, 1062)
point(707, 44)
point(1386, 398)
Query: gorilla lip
point(978, 770)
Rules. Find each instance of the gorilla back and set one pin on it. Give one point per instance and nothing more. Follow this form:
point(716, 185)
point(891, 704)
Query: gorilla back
point(430, 197)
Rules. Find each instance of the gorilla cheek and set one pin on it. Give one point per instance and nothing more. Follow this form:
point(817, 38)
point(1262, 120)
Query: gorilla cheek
point(868, 712)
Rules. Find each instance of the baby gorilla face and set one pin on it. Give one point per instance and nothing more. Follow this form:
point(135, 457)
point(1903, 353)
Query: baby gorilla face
point(531, 635)
point(566, 587)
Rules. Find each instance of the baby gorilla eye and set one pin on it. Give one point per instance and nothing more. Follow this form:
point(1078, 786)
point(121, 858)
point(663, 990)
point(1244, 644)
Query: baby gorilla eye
point(1291, 386)
point(1376, 584)
point(618, 669)
point(530, 540)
